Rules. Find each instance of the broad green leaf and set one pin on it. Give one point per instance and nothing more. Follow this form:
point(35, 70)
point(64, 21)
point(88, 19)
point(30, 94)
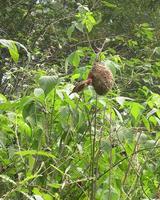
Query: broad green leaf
point(79, 26)
point(24, 128)
point(38, 92)
point(14, 52)
point(12, 47)
point(47, 83)
point(89, 21)
point(153, 120)
point(112, 66)
point(8, 106)
point(74, 59)
point(136, 109)
point(36, 191)
point(75, 76)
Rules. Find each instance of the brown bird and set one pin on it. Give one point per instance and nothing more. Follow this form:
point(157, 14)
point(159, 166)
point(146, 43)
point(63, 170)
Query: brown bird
point(100, 77)
point(81, 85)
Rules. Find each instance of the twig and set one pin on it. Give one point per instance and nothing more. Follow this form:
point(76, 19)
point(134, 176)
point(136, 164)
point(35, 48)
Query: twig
point(110, 160)
point(101, 49)
point(93, 160)
point(17, 139)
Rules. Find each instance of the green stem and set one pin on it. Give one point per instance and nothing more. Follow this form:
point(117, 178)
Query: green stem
point(93, 162)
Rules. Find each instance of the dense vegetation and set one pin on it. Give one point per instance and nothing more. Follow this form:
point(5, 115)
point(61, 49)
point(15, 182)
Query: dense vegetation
point(80, 146)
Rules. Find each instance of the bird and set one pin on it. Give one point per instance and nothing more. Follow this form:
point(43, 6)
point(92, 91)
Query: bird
point(81, 85)
point(100, 77)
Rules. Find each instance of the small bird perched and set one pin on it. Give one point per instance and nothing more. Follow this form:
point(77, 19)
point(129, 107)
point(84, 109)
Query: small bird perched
point(100, 77)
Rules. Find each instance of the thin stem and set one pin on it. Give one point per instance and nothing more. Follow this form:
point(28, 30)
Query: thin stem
point(132, 157)
point(110, 160)
point(17, 139)
point(52, 114)
point(93, 158)
point(101, 49)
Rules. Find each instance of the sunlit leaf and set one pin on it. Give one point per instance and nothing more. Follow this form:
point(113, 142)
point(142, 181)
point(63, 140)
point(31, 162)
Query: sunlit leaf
point(136, 109)
point(12, 47)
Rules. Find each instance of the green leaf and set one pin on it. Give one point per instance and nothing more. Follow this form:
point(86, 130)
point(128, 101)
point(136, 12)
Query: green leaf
point(146, 123)
point(121, 100)
point(47, 197)
point(79, 26)
point(70, 30)
point(136, 109)
point(11, 45)
point(74, 59)
point(34, 152)
point(55, 185)
point(40, 194)
point(47, 83)
point(23, 127)
point(109, 5)
point(118, 114)
point(36, 191)
point(14, 52)
point(75, 76)
point(157, 50)
point(89, 21)
point(38, 92)
point(112, 66)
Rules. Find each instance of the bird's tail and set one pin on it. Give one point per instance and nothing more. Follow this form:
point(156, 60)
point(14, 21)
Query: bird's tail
point(80, 86)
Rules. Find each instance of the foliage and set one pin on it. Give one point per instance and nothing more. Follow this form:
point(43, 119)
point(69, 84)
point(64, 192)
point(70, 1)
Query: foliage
point(54, 145)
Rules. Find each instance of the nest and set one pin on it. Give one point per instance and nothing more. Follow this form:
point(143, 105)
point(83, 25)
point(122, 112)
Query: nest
point(99, 77)
point(102, 78)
